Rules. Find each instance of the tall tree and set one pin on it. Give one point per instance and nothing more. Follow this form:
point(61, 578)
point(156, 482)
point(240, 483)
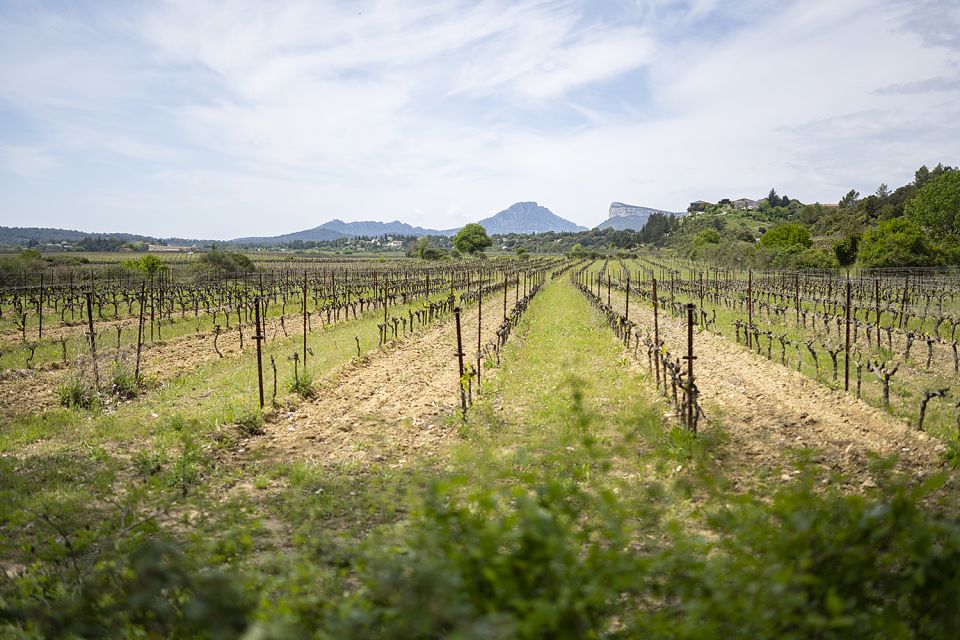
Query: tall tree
point(936, 207)
point(850, 199)
point(472, 238)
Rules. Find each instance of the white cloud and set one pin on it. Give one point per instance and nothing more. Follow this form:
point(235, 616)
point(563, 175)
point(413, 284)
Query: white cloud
point(224, 119)
point(26, 161)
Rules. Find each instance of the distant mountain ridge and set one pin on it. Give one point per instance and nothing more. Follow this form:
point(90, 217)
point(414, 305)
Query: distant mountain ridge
point(630, 216)
point(521, 217)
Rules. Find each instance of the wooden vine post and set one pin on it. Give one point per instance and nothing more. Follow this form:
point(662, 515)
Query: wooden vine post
point(40, 310)
point(479, 324)
point(749, 307)
point(143, 302)
point(876, 293)
point(463, 395)
point(93, 340)
point(258, 337)
point(846, 344)
point(796, 285)
point(304, 319)
point(691, 390)
point(626, 313)
point(656, 331)
point(504, 295)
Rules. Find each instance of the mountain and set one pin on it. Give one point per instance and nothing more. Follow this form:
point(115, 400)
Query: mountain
point(527, 217)
point(629, 216)
point(316, 234)
point(26, 235)
point(373, 228)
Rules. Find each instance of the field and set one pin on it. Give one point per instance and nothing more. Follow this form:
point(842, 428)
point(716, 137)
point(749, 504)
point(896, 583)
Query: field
point(505, 448)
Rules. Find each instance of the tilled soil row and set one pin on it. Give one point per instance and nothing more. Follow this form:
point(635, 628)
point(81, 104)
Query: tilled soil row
point(390, 406)
point(770, 410)
point(34, 390)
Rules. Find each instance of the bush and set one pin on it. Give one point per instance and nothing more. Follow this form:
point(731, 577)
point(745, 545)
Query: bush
point(936, 206)
point(150, 591)
point(706, 236)
point(816, 259)
point(791, 237)
point(147, 265)
point(525, 562)
point(846, 249)
point(812, 565)
point(77, 393)
point(896, 243)
point(228, 261)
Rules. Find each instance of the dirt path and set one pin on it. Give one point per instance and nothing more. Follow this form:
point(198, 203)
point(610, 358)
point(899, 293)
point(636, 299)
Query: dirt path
point(769, 409)
point(387, 408)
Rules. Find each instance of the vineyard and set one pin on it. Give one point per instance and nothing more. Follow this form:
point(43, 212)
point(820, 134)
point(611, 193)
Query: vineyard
point(507, 447)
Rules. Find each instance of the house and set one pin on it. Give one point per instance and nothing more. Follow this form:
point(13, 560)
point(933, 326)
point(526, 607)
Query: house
point(699, 205)
point(744, 204)
point(394, 244)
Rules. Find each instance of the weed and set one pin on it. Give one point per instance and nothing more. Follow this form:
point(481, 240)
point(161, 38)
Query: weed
point(123, 382)
point(77, 393)
point(302, 385)
point(250, 423)
point(149, 462)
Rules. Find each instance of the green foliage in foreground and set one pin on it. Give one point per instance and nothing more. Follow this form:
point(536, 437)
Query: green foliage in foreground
point(556, 558)
point(553, 525)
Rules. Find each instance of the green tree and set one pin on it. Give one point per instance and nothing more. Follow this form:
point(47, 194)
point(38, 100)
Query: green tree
point(852, 197)
point(846, 249)
point(896, 243)
point(147, 265)
point(423, 245)
point(472, 238)
point(706, 236)
point(936, 207)
point(787, 237)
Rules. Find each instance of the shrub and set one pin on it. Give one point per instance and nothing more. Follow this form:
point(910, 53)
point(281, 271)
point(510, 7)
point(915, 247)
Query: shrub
point(525, 562)
point(896, 243)
point(846, 249)
point(816, 259)
point(936, 207)
point(789, 237)
point(229, 261)
point(150, 591)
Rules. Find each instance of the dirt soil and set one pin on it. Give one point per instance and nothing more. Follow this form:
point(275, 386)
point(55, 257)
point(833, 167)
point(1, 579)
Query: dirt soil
point(24, 391)
point(769, 410)
point(386, 408)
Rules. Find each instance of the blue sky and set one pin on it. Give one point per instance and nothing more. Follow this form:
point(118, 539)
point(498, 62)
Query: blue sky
point(225, 119)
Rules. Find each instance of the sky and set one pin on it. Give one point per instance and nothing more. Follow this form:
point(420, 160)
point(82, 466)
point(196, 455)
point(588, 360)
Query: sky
point(221, 119)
